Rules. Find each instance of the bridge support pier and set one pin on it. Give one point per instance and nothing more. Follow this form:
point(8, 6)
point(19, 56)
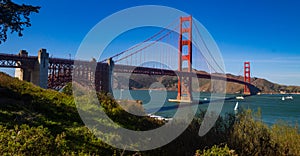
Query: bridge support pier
point(111, 66)
point(38, 75)
point(23, 74)
point(104, 76)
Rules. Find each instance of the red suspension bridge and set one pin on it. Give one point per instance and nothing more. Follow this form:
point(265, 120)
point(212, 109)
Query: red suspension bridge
point(154, 56)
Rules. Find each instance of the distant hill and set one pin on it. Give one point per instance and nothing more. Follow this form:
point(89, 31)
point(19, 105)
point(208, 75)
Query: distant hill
point(145, 82)
point(266, 86)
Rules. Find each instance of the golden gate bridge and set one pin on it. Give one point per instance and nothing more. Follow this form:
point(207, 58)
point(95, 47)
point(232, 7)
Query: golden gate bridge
point(192, 57)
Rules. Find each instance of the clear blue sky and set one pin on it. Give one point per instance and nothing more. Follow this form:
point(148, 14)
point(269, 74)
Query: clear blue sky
point(267, 33)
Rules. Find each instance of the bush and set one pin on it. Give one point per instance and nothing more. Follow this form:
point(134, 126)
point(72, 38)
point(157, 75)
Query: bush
point(251, 137)
point(67, 89)
point(287, 138)
point(215, 150)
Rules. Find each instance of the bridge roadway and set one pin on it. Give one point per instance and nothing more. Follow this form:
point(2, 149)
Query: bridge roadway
point(12, 61)
point(57, 64)
point(156, 71)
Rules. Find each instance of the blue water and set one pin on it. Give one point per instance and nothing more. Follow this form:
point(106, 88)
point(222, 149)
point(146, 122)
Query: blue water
point(272, 107)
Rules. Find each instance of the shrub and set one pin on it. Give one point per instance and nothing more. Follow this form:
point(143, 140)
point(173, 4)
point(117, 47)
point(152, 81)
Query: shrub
point(67, 89)
point(215, 151)
point(287, 138)
point(250, 136)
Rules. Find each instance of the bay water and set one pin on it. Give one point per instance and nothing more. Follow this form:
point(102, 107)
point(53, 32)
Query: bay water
point(272, 107)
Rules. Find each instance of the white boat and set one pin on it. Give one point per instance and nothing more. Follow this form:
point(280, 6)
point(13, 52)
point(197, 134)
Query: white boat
point(159, 117)
point(205, 99)
point(240, 98)
point(289, 98)
point(236, 106)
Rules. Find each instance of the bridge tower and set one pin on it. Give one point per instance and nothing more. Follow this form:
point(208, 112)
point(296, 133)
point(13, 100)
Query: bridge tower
point(247, 77)
point(185, 83)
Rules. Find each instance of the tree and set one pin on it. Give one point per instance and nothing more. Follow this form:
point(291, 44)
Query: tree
point(14, 17)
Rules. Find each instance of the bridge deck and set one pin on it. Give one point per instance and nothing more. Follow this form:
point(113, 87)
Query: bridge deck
point(58, 64)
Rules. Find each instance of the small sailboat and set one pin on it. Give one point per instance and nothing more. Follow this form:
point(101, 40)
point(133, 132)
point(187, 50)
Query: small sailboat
point(236, 107)
point(121, 93)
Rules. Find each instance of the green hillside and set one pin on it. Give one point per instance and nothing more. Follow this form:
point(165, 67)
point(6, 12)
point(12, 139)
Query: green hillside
point(36, 121)
point(47, 121)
